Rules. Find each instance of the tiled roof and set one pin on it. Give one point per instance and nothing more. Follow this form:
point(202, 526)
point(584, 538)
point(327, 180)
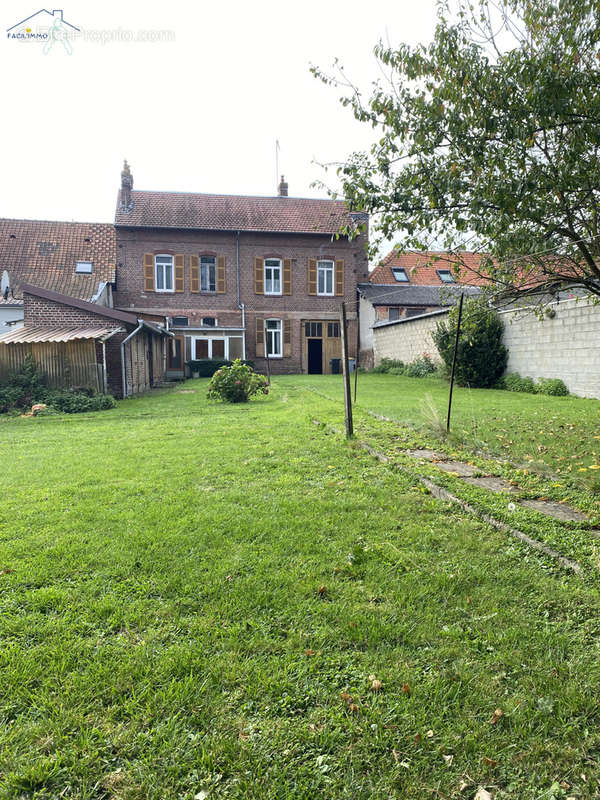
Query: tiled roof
point(407, 295)
point(233, 213)
point(32, 333)
point(421, 268)
point(44, 253)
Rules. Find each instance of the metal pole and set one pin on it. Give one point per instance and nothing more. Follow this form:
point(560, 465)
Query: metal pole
point(347, 394)
point(267, 356)
point(357, 353)
point(460, 308)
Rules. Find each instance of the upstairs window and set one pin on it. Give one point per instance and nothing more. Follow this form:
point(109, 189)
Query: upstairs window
point(325, 277)
point(180, 322)
point(209, 322)
point(445, 276)
point(208, 274)
point(273, 334)
point(163, 273)
point(86, 267)
point(400, 275)
point(272, 276)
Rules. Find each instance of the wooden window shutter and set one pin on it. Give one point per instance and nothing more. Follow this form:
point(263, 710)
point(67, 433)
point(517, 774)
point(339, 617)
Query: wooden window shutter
point(339, 278)
point(260, 336)
point(259, 276)
point(287, 275)
point(221, 283)
point(180, 273)
point(312, 275)
point(194, 274)
point(287, 337)
point(148, 272)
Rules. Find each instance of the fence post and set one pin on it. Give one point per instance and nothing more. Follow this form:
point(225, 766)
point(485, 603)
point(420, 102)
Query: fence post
point(460, 308)
point(346, 366)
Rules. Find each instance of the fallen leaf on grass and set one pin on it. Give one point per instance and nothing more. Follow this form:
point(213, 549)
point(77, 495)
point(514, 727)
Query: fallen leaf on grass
point(406, 688)
point(496, 716)
point(376, 685)
point(482, 794)
point(309, 652)
point(489, 761)
point(417, 738)
point(448, 759)
point(322, 590)
point(6, 571)
point(347, 698)
point(353, 708)
point(429, 734)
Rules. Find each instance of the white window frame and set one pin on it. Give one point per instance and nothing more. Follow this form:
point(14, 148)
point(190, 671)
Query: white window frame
point(278, 329)
point(84, 267)
point(208, 262)
point(210, 340)
point(324, 271)
point(163, 265)
point(273, 264)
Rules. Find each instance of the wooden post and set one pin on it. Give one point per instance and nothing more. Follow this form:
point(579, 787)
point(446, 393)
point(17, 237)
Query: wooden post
point(460, 308)
point(357, 352)
point(346, 369)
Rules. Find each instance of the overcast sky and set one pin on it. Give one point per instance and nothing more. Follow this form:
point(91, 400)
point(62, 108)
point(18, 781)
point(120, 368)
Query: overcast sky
point(199, 111)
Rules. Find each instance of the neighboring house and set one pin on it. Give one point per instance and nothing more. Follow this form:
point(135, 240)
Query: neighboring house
point(72, 258)
point(11, 312)
point(240, 276)
point(408, 285)
point(78, 344)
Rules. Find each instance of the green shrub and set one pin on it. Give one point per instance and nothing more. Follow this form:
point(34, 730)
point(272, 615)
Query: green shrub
point(28, 383)
point(481, 357)
point(552, 386)
point(420, 367)
point(77, 402)
point(388, 364)
point(9, 397)
point(396, 371)
point(206, 367)
point(236, 383)
point(513, 382)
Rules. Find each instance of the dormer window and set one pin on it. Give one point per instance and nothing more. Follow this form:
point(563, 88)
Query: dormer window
point(445, 276)
point(87, 267)
point(400, 275)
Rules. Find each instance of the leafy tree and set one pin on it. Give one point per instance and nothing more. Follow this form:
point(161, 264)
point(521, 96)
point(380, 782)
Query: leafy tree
point(481, 357)
point(487, 139)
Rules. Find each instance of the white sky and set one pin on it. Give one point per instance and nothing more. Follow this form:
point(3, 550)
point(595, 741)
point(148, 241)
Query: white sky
point(200, 113)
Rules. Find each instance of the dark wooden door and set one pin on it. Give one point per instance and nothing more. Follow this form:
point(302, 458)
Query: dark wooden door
point(315, 356)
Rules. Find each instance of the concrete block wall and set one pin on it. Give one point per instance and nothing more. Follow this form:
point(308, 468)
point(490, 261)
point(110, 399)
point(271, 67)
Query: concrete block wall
point(565, 346)
point(407, 340)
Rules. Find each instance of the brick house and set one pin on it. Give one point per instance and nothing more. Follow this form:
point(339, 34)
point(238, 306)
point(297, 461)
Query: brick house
point(407, 285)
point(240, 276)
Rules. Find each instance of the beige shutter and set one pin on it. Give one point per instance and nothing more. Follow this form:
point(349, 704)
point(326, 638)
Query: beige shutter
point(312, 275)
point(180, 273)
point(259, 276)
point(221, 284)
point(260, 336)
point(287, 337)
point(194, 274)
point(339, 278)
point(148, 272)
point(287, 275)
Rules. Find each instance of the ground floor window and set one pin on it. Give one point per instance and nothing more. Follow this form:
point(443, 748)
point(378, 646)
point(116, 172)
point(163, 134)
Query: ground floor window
point(273, 336)
point(218, 347)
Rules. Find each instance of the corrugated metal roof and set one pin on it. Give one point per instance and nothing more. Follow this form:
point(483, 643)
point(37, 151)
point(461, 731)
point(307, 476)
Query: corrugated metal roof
point(38, 334)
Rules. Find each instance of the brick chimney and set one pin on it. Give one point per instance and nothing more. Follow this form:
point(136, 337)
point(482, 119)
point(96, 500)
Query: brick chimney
point(283, 188)
point(126, 187)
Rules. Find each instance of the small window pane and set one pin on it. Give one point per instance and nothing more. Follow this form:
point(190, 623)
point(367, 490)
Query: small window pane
point(218, 348)
point(208, 271)
point(209, 322)
point(180, 322)
point(236, 349)
point(400, 275)
point(445, 276)
point(201, 348)
point(84, 266)
point(393, 313)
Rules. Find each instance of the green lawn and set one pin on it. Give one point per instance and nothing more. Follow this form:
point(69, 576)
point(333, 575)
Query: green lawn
point(195, 597)
point(540, 432)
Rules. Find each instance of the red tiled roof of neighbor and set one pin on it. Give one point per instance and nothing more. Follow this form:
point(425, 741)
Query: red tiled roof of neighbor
point(44, 253)
point(421, 268)
point(233, 213)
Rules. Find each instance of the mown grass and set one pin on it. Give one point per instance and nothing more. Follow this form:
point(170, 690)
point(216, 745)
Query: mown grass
point(192, 592)
point(558, 434)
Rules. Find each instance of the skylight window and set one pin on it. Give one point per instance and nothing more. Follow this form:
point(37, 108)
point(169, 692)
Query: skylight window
point(400, 274)
point(445, 276)
point(84, 266)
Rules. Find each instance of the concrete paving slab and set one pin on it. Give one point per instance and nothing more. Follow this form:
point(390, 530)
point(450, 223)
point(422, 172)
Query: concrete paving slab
point(460, 468)
point(497, 485)
point(559, 511)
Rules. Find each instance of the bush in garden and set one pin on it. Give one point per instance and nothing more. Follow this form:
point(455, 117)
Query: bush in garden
point(25, 386)
point(388, 364)
point(481, 357)
point(420, 367)
point(237, 383)
point(552, 386)
point(77, 402)
point(513, 382)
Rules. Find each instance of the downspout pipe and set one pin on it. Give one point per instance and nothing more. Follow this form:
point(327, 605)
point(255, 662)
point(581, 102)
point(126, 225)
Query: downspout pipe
point(241, 306)
point(123, 343)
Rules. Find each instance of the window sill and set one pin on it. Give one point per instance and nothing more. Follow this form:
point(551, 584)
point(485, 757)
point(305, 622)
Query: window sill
point(165, 291)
